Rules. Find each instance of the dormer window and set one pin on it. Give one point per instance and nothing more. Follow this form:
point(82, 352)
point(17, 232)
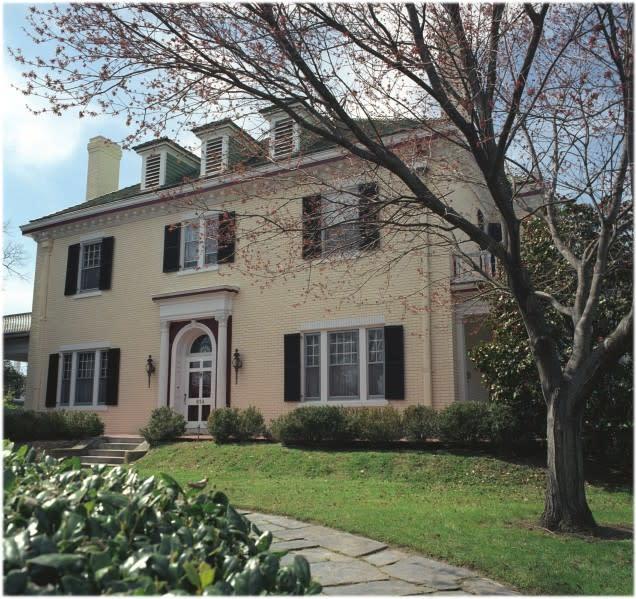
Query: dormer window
point(215, 156)
point(165, 162)
point(284, 138)
point(152, 174)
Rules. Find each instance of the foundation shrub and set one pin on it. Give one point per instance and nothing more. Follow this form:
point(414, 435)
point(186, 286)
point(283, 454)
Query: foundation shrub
point(465, 423)
point(420, 423)
point(95, 531)
point(377, 425)
point(312, 424)
point(165, 425)
point(232, 424)
point(251, 424)
point(29, 425)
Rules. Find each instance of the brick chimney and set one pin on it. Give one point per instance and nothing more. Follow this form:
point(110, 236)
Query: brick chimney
point(104, 157)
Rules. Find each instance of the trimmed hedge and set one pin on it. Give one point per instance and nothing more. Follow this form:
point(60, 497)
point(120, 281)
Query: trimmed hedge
point(464, 423)
point(226, 424)
point(96, 531)
point(420, 423)
point(165, 425)
point(29, 425)
point(461, 423)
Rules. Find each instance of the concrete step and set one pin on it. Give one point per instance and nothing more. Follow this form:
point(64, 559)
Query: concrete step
point(116, 453)
point(124, 446)
point(101, 459)
point(115, 439)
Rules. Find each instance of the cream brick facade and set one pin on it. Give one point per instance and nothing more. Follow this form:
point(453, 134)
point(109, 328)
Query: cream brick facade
point(414, 292)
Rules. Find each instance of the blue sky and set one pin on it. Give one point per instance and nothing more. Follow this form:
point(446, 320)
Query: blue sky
point(44, 159)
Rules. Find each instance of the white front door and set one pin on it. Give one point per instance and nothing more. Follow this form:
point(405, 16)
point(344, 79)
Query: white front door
point(199, 384)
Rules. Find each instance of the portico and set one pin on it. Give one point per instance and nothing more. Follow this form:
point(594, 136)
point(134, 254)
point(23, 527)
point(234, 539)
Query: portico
point(196, 320)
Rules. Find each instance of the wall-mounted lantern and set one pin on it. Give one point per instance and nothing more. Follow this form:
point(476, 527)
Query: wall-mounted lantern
point(237, 362)
point(150, 368)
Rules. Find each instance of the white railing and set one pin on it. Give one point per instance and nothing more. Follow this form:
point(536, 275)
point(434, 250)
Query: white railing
point(464, 267)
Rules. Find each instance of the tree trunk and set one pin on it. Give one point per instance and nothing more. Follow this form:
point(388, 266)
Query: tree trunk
point(566, 506)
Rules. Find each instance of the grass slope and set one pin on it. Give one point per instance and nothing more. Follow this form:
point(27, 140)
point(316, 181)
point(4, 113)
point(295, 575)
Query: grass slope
point(472, 511)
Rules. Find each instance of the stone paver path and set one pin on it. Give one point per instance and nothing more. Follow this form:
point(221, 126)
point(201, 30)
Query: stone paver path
point(347, 564)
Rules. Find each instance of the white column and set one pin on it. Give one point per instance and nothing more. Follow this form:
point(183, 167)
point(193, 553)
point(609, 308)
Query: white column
point(164, 357)
point(221, 362)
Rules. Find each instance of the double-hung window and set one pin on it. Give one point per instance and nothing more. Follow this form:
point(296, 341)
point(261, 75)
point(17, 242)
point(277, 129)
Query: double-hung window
point(83, 378)
point(312, 366)
point(341, 223)
point(200, 243)
point(344, 365)
point(90, 263)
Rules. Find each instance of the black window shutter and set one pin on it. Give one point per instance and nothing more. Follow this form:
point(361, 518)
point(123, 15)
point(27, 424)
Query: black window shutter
point(394, 362)
point(106, 266)
point(51, 381)
point(227, 237)
point(112, 380)
point(494, 230)
point(292, 367)
point(72, 269)
point(171, 247)
point(369, 207)
point(311, 227)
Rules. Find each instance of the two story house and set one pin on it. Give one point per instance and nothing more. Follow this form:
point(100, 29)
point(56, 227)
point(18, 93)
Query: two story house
point(229, 279)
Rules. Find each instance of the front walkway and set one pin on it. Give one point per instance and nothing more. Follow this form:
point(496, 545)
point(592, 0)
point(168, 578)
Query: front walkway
point(347, 564)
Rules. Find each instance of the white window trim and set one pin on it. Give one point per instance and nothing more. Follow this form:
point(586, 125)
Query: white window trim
point(91, 293)
point(83, 244)
point(364, 399)
point(201, 265)
point(75, 350)
point(295, 137)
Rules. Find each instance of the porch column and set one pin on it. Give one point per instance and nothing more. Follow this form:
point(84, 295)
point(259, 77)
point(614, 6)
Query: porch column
point(221, 362)
point(164, 357)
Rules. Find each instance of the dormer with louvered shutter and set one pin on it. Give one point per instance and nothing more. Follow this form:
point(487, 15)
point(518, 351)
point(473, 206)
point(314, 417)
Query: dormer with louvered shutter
point(165, 162)
point(223, 144)
point(286, 139)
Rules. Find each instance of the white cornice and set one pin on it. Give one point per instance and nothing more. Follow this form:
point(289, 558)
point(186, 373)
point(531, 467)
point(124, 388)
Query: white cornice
point(204, 185)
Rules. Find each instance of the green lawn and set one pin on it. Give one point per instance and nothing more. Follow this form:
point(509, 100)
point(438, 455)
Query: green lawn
point(473, 511)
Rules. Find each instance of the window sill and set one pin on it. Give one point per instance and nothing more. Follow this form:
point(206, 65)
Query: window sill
point(194, 271)
point(82, 294)
point(375, 402)
point(99, 408)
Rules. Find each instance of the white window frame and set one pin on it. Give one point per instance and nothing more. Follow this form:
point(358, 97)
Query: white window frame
point(83, 244)
point(93, 406)
point(295, 137)
point(201, 265)
point(364, 399)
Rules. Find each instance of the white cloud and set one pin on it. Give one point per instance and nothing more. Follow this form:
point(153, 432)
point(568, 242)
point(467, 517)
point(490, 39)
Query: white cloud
point(42, 140)
point(17, 295)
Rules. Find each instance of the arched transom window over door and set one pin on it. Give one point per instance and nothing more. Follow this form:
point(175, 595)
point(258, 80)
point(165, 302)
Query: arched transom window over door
point(201, 345)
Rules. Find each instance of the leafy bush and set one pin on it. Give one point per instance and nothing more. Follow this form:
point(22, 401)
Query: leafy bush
point(224, 424)
point(227, 424)
point(251, 424)
point(164, 425)
point(504, 425)
point(465, 423)
point(73, 531)
point(420, 423)
point(313, 424)
point(378, 425)
point(29, 425)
